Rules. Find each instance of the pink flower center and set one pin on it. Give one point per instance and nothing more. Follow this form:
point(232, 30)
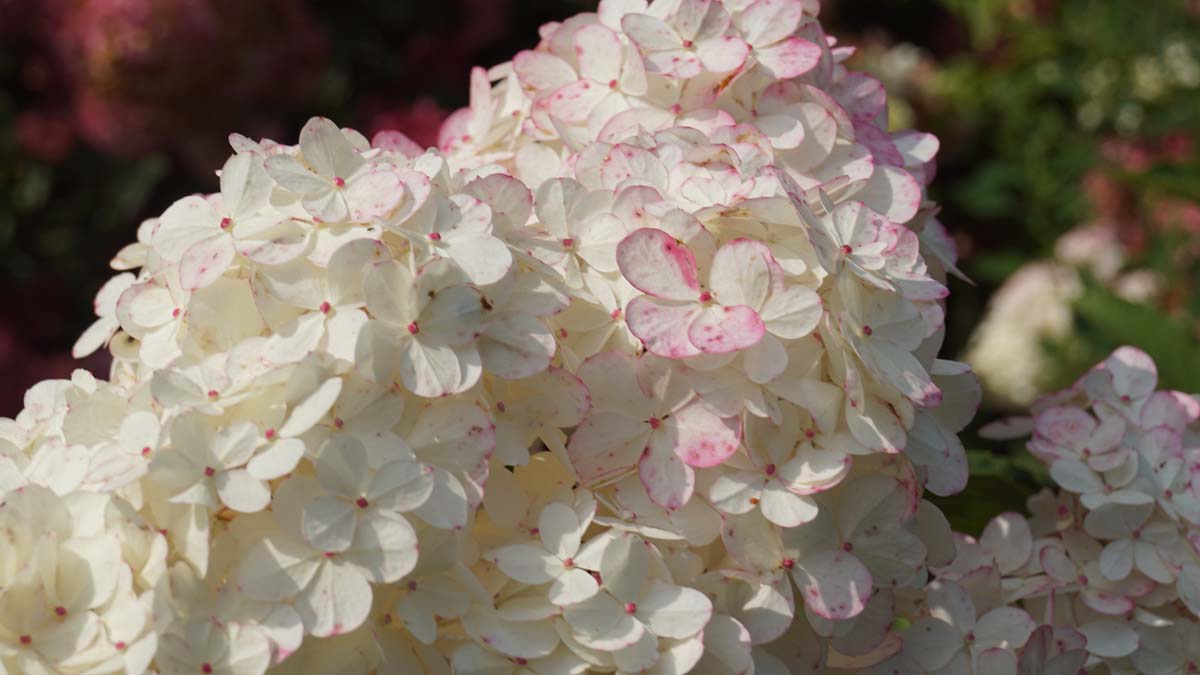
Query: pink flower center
point(339, 181)
point(326, 307)
point(212, 394)
point(145, 451)
point(413, 329)
point(270, 434)
point(26, 639)
point(435, 236)
point(569, 562)
point(847, 547)
point(225, 223)
point(209, 471)
point(568, 242)
point(206, 668)
point(788, 563)
point(60, 610)
point(175, 313)
point(612, 84)
point(868, 331)
point(362, 502)
point(771, 469)
point(687, 44)
point(705, 296)
point(654, 422)
point(631, 608)
point(846, 250)
point(338, 423)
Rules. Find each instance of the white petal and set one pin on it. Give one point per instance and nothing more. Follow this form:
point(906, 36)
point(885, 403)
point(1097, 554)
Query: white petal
point(673, 611)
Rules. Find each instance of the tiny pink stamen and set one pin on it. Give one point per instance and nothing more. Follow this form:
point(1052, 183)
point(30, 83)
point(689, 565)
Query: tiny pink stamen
point(771, 469)
point(212, 394)
point(687, 44)
point(868, 331)
point(225, 223)
point(60, 610)
point(631, 608)
point(175, 314)
point(654, 422)
point(326, 307)
point(209, 471)
point(26, 639)
point(435, 236)
point(270, 434)
point(568, 242)
point(413, 329)
point(362, 502)
point(788, 563)
point(339, 181)
point(705, 296)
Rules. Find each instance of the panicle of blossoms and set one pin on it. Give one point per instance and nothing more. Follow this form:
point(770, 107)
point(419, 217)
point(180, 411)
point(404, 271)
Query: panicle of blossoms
point(1109, 565)
point(635, 373)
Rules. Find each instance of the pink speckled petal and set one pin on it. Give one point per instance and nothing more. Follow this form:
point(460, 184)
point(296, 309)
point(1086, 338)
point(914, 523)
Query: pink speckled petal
point(702, 438)
point(668, 481)
point(658, 264)
point(834, 584)
point(790, 58)
point(662, 326)
point(205, 262)
point(720, 330)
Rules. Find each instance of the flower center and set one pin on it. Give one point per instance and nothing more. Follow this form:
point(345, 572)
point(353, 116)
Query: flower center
point(654, 422)
point(413, 328)
point(705, 296)
point(209, 471)
point(206, 667)
point(326, 307)
point(771, 469)
point(631, 608)
point(788, 563)
point(225, 223)
point(339, 181)
point(362, 502)
point(435, 236)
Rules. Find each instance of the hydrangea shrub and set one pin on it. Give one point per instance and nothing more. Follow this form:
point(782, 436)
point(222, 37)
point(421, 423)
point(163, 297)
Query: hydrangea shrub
point(635, 373)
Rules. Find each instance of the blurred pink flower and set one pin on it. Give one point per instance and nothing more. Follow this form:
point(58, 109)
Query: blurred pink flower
point(44, 134)
point(419, 121)
point(145, 73)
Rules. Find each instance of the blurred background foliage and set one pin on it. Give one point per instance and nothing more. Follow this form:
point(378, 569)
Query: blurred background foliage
point(1069, 167)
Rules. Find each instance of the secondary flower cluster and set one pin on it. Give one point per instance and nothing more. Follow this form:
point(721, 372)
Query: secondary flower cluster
point(1104, 576)
point(636, 374)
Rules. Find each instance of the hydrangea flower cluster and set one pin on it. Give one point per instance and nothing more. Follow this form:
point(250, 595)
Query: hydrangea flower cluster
point(634, 373)
point(1104, 576)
